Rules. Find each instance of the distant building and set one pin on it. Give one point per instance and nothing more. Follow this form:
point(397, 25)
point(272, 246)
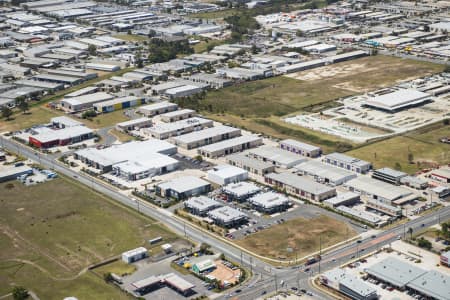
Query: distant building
point(276, 156)
point(183, 187)
point(389, 175)
point(206, 136)
point(227, 217)
point(157, 108)
point(200, 205)
point(345, 199)
point(442, 175)
point(134, 255)
point(117, 104)
point(251, 165)
point(398, 100)
point(76, 104)
point(65, 131)
point(325, 173)
point(203, 266)
point(163, 131)
point(240, 191)
point(230, 146)
point(347, 162)
point(300, 148)
point(348, 284)
point(395, 272)
point(445, 259)
point(225, 174)
point(300, 186)
point(178, 115)
point(414, 182)
point(379, 190)
point(11, 172)
point(134, 124)
point(269, 202)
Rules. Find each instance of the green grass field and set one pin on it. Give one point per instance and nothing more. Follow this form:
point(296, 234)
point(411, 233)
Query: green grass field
point(215, 14)
point(203, 45)
point(258, 105)
point(36, 115)
point(301, 235)
point(423, 144)
point(52, 231)
point(284, 95)
point(131, 37)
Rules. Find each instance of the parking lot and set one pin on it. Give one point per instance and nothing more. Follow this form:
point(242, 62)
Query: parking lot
point(259, 221)
point(146, 268)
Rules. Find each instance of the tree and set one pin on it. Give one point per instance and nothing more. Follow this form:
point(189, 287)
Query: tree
point(255, 49)
point(410, 158)
point(424, 243)
point(410, 231)
point(397, 166)
point(6, 112)
point(92, 50)
point(138, 60)
point(20, 293)
point(23, 105)
point(108, 277)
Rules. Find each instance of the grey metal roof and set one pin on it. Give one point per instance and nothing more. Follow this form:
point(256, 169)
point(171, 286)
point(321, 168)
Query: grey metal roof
point(317, 168)
point(205, 134)
point(252, 163)
point(226, 214)
point(433, 284)
point(183, 184)
point(300, 182)
point(279, 156)
point(269, 200)
point(347, 159)
point(342, 197)
point(297, 144)
point(241, 188)
point(395, 271)
point(391, 172)
point(201, 203)
point(231, 143)
point(378, 188)
point(350, 281)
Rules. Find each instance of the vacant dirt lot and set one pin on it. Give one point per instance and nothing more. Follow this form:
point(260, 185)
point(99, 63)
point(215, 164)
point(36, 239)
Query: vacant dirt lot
point(301, 235)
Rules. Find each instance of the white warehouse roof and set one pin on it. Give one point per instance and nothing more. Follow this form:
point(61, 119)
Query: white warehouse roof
point(398, 100)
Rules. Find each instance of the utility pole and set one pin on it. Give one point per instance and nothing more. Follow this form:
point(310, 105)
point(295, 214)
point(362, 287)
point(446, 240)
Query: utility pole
point(276, 283)
point(320, 251)
point(242, 264)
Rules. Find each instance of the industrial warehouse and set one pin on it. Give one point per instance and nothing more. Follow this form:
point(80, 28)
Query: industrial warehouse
point(205, 137)
point(61, 132)
point(183, 187)
point(398, 100)
point(300, 186)
point(269, 202)
point(325, 173)
point(164, 131)
point(133, 160)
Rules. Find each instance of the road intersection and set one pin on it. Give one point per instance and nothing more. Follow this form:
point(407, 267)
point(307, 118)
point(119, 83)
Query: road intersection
point(268, 278)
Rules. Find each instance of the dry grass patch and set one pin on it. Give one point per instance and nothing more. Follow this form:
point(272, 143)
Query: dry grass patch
point(301, 235)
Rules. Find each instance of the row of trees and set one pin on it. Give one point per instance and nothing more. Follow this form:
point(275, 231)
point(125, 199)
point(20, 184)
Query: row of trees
point(162, 51)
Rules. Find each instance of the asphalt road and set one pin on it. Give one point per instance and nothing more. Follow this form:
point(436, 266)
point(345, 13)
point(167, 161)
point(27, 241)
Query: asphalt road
point(267, 279)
